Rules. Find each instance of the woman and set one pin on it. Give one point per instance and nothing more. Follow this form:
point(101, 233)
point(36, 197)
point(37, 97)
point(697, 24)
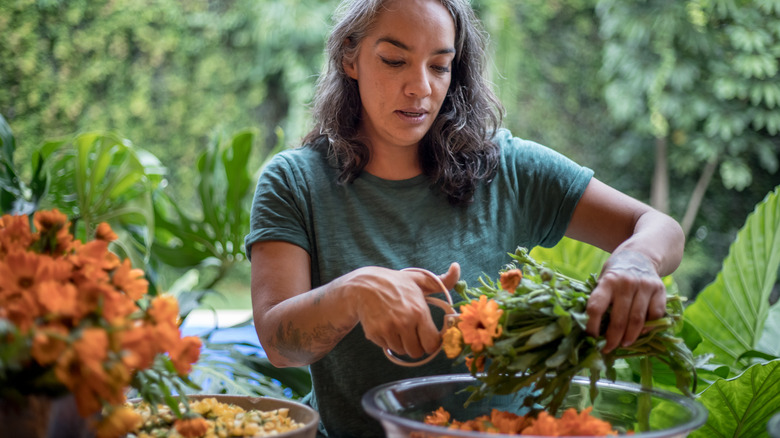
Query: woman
point(406, 167)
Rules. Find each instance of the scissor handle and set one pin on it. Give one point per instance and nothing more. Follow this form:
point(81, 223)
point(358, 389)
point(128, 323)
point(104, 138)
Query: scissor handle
point(450, 318)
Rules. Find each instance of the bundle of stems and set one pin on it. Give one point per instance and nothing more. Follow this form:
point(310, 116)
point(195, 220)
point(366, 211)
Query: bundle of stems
point(540, 342)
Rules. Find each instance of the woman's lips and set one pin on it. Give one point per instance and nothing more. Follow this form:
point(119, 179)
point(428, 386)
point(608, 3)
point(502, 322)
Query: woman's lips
point(412, 115)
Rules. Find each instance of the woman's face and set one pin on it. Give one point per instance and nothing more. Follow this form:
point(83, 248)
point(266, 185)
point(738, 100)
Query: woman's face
point(403, 71)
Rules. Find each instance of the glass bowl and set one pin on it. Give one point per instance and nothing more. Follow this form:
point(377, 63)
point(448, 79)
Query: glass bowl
point(773, 426)
point(401, 406)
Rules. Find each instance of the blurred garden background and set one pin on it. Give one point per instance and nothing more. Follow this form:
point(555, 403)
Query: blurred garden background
point(157, 116)
point(674, 102)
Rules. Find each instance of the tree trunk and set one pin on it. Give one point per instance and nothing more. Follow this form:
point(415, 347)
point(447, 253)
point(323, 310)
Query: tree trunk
point(659, 193)
point(698, 194)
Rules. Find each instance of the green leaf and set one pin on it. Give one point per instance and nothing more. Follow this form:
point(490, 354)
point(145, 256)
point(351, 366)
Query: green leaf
point(768, 343)
point(572, 258)
point(298, 379)
point(742, 406)
point(731, 312)
point(99, 177)
point(7, 141)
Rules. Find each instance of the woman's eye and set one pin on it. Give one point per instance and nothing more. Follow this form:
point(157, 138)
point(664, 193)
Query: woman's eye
point(392, 63)
point(440, 68)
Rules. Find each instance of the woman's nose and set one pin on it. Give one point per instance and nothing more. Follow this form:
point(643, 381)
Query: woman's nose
point(417, 83)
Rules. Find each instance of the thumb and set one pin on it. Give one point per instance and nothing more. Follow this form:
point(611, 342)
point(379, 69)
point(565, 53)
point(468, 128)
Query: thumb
point(451, 276)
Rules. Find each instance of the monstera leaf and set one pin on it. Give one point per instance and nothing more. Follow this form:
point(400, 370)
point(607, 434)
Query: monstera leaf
point(742, 406)
point(215, 234)
point(730, 314)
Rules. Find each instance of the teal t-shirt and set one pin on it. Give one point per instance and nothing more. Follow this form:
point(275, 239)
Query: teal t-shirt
point(399, 224)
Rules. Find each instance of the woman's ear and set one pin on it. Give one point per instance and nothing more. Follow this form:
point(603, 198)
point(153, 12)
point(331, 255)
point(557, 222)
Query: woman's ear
point(350, 62)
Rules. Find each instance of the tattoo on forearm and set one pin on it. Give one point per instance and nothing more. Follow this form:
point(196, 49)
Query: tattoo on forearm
point(301, 345)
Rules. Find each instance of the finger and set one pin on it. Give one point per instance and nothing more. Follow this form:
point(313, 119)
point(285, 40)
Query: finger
point(618, 320)
point(451, 276)
point(636, 318)
point(412, 346)
point(395, 343)
point(657, 307)
point(430, 337)
point(597, 305)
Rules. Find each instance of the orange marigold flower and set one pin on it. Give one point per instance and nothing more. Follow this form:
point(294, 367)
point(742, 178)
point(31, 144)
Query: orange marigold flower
point(48, 344)
point(511, 279)
point(118, 423)
point(544, 424)
point(138, 347)
point(439, 417)
point(507, 422)
point(479, 323)
point(131, 281)
point(91, 351)
point(19, 270)
point(53, 225)
point(18, 282)
point(116, 306)
point(91, 256)
point(104, 232)
point(185, 353)
point(14, 233)
point(164, 309)
point(58, 298)
point(54, 269)
point(583, 424)
point(452, 342)
point(191, 427)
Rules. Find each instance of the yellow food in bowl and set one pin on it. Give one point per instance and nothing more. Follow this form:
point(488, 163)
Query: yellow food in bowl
point(224, 420)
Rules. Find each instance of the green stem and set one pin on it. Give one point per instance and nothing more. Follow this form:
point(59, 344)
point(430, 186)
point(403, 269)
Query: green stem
point(644, 403)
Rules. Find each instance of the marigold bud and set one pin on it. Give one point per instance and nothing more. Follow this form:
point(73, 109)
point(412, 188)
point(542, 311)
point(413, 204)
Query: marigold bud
point(511, 279)
point(452, 342)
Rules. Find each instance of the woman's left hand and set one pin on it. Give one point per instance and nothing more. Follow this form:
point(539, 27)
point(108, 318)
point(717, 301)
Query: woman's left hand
point(629, 284)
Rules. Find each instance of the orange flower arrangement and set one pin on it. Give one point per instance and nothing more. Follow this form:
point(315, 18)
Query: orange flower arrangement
point(75, 318)
point(571, 423)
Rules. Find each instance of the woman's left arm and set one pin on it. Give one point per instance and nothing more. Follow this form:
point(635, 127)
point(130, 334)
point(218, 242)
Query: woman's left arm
point(645, 245)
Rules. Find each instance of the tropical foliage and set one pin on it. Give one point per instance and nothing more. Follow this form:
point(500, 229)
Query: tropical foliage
point(731, 327)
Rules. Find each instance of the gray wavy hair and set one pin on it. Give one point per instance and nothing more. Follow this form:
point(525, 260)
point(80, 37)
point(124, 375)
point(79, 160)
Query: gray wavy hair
point(457, 152)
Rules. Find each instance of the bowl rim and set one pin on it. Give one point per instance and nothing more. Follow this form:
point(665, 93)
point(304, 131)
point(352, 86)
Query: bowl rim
point(698, 417)
point(773, 425)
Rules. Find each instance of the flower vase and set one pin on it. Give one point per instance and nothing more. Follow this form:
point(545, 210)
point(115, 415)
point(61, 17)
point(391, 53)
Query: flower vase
point(39, 416)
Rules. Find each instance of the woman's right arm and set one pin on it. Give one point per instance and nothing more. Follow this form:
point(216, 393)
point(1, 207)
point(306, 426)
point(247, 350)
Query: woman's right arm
point(297, 325)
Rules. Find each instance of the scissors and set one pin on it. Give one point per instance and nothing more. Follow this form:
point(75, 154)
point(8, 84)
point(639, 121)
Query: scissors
point(450, 319)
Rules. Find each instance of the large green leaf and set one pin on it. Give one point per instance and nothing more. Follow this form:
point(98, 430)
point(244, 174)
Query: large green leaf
point(730, 313)
point(215, 233)
point(572, 258)
point(742, 406)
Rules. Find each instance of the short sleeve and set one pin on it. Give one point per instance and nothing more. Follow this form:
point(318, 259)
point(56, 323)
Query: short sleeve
point(548, 186)
point(279, 207)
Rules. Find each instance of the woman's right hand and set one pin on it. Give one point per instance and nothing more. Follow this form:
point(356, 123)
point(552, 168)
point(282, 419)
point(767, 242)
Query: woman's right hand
point(392, 309)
